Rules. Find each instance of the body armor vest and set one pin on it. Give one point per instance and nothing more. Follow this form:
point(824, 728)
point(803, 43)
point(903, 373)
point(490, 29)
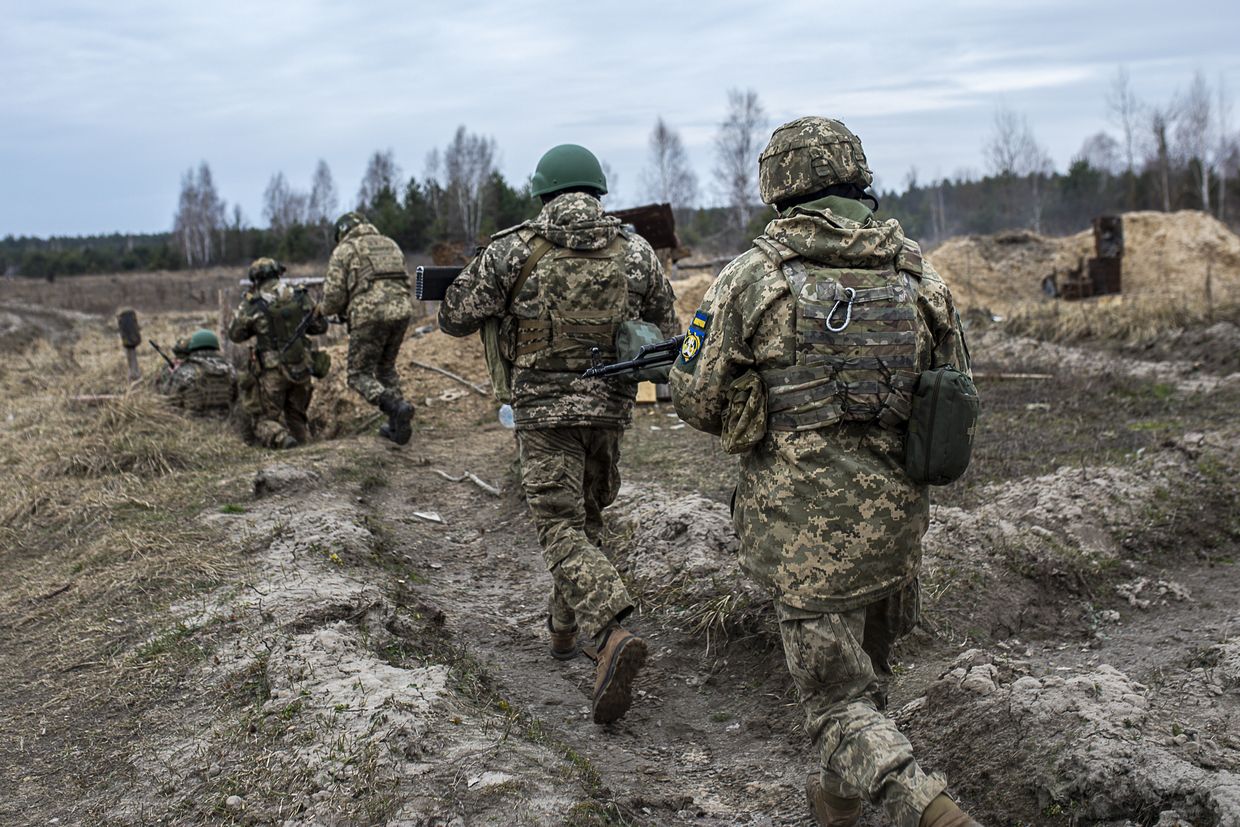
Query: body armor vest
point(283, 315)
point(857, 348)
point(212, 389)
point(582, 300)
point(381, 259)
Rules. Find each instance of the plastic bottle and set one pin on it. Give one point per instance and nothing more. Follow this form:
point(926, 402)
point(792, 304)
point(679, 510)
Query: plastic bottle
point(505, 416)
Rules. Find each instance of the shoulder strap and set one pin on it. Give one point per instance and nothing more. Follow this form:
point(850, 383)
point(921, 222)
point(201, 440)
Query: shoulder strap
point(538, 249)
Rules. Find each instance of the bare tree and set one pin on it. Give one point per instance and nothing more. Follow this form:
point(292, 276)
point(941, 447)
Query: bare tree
point(283, 206)
point(469, 163)
point(1226, 147)
point(1161, 119)
point(1102, 152)
point(669, 178)
point(737, 144)
point(1194, 134)
point(1124, 110)
point(323, 199)
point(381, 173)
point(1013, 153)
point(199, 221)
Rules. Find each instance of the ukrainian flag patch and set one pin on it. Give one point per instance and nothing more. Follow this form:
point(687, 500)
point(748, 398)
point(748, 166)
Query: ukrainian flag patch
point(694, 336)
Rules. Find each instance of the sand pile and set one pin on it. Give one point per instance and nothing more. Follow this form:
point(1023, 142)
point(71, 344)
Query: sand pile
point(689, 293)
point(1163, 252)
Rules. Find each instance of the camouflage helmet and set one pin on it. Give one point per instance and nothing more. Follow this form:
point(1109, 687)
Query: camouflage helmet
point(808, 155)
point(203, 340)
point(348, 221)
point(265, 268)
point(565, 167)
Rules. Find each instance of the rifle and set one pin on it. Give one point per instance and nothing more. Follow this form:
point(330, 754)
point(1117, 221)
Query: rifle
point(654, 355)
point(431, 283)
point(300, 330)
point(171, 364)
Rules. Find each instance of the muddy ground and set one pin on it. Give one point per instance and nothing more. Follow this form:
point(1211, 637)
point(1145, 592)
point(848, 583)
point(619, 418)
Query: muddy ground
point(197, 632)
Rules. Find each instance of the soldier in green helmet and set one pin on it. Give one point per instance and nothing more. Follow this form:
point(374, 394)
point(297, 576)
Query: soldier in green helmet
point(560, 286)
point(203, 382)
point(276, 385)
point(368, 284)
point(803, 358)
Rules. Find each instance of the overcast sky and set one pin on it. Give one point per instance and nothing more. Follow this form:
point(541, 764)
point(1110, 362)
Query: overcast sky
point(106, 104)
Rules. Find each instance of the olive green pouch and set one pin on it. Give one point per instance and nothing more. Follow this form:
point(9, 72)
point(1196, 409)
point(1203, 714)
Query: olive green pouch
point(631, 337)
point(499, 364)
point(320, 363)
point(941, 427)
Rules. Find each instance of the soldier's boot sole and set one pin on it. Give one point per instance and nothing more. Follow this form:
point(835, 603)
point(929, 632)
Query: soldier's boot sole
point(615, 693)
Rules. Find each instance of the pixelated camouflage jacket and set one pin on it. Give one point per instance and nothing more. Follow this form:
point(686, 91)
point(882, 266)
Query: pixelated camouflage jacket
point(204, 382)
point(345, 290)
point(827, 518)
point(549, 398)
point(250, 322)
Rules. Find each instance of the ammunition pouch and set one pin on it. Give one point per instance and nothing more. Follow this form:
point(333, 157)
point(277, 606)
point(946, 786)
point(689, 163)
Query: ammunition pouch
point(941, 427)
point(320, 363)
point(631, 337)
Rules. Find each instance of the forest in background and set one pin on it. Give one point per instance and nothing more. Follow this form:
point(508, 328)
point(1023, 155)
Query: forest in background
point(1178, 154)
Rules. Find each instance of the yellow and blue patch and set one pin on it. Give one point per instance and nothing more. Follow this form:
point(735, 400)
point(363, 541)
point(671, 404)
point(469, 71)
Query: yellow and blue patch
point(694, 336)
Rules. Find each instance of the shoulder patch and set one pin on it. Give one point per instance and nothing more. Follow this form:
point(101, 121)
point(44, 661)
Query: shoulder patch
point(694, 336)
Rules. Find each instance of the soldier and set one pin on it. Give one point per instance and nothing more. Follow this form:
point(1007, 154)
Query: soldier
point(803, 357)
point(203, 382)
point(562, 284)
point(368, 284)
point(276, 386)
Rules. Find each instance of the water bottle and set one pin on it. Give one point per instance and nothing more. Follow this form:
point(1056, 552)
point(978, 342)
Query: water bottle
point(505, 416)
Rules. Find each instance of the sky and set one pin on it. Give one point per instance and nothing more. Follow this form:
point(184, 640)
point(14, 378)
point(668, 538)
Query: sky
point(107, 104)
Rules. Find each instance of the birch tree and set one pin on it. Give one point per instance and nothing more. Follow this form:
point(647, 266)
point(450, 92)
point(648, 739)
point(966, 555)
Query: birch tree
point(200, 217)
point(469, 163)
point(668, 177)
point(737, 144)
point(381, 174)
point(1194, 134)
point(1124, 110)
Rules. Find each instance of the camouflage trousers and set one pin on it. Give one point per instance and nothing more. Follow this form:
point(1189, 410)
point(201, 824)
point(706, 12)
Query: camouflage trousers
point(277, 405)
point(862, 753)
point(570, 475)
point(373, 348)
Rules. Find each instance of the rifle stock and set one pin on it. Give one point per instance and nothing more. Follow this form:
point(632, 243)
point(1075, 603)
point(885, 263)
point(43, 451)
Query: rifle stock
point(159, 350)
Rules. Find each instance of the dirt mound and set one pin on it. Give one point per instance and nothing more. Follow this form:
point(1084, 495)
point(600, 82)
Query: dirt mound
point(1164, 254)
point(689, 293)
point(1091, 744)
point(21, 325)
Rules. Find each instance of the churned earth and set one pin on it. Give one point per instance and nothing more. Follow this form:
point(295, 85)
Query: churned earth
point(198, 632)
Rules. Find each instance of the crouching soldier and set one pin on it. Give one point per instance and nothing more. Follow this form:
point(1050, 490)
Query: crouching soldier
point(276, 385)
point(203, 382)
point(368, 284)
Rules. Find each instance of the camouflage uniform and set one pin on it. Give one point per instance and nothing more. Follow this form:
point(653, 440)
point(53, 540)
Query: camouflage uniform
point(276, 389)
point(204, 383)
point(367, 284)
point(588, 278)
point(826, 516)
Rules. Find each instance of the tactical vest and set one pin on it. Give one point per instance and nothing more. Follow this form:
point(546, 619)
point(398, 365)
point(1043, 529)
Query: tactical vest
point(582, 300)
point(381, 259)
point(283, 316)
point(857, 349)
point(212, 388)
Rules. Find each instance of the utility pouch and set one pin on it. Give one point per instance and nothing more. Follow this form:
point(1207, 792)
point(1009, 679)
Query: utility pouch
point(941, 426)
point(631, 337)
point(320, 363)
point(498, 362)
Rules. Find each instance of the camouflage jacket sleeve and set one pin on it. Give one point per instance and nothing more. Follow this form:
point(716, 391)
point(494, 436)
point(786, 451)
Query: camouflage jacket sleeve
point(729, 317)
point(336, 284)
point(659, 303)
point(939, 310)
point(241, 327)
point(480, 292)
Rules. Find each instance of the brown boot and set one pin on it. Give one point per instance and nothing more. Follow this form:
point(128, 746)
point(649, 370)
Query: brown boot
point(618, 661)
point(830, 810)
point(943, 812)
point(563, 644)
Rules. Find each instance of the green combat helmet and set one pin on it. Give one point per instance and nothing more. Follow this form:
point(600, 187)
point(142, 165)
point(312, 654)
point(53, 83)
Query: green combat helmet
point(809, 155)
point(347, 222)
point(265, 268)
point(565, 167)
point(203, 340)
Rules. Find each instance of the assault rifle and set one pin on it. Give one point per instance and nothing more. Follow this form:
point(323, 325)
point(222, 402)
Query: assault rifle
point(431, 283)
point(655, 355)
point(300, 330)
point(171, 364)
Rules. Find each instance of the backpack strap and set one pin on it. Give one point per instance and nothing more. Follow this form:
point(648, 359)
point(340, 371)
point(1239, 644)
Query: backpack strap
point(538, 249)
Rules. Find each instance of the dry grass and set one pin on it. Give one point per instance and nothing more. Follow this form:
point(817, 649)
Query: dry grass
point(1129, 319)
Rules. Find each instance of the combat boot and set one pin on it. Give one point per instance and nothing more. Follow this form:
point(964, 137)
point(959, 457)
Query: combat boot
point(617, 661)
point(563, 644)
point(400, 417)
point(289, 441)
point(830, 810)
point(943, 812)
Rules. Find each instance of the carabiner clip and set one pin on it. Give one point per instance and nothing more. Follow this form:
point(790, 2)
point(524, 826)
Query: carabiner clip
point(852, 294)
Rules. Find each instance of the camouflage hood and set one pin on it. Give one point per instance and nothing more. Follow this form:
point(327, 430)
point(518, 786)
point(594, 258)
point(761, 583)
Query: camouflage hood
point(838, 232)
point(576, 220)
point(365, 228)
